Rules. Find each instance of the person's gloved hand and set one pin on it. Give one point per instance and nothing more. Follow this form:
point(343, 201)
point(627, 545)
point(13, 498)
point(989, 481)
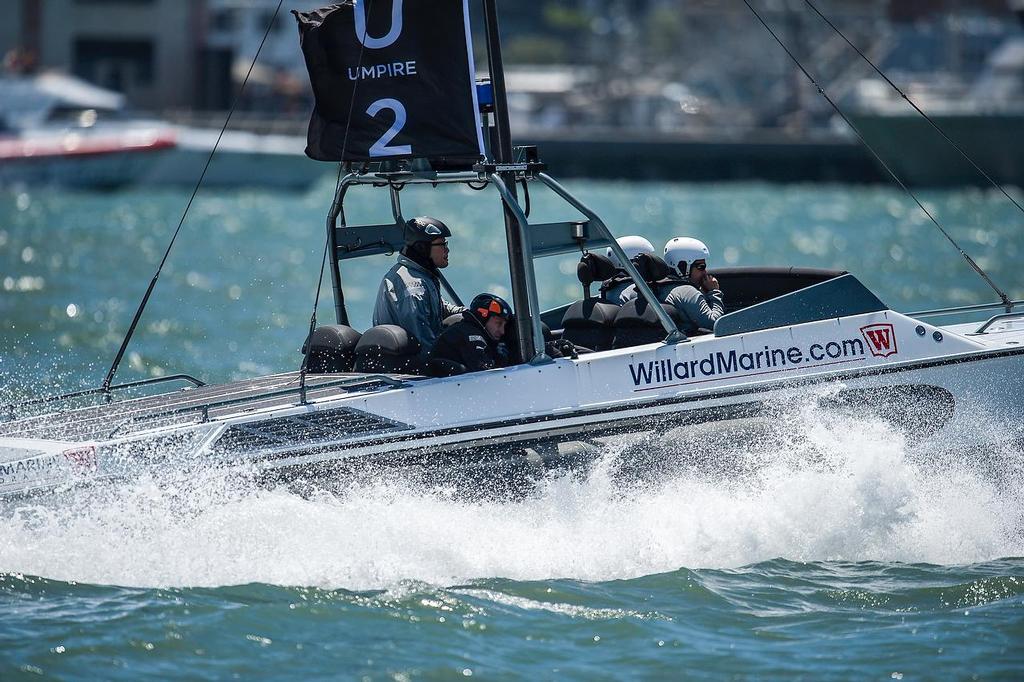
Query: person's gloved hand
point(567, 348)
point(560, 348)
point(504, 353)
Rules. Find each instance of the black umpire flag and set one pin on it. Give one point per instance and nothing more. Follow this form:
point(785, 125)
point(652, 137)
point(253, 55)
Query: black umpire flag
point(391, 79)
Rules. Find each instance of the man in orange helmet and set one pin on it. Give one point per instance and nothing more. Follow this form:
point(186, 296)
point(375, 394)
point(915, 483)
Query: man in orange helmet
point(476, 342)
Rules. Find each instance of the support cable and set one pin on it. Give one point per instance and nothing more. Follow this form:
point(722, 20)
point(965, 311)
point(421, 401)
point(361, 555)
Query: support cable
point(152, 284)
point(970, 261)
point(934, 125)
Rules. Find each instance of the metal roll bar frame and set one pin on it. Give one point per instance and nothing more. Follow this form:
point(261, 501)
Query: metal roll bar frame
point(529, 307)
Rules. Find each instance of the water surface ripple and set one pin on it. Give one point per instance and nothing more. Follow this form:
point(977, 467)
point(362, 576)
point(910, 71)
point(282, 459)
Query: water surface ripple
point(831, 548)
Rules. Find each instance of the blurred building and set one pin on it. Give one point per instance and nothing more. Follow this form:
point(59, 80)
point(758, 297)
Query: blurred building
point(151, 50)
point(235, 30)
point(659, 65)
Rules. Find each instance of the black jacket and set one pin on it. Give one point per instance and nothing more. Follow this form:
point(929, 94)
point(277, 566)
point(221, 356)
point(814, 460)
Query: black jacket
point(468, 344)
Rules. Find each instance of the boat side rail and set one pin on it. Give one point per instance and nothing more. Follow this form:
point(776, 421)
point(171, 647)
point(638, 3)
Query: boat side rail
point(11, 409)
point(204, 409)
point(997, 318)
point(939, 312)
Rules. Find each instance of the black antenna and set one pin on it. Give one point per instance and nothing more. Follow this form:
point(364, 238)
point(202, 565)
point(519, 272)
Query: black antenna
point(152, 284)
point(970, 261)
point(503, 154)
point(902, 94)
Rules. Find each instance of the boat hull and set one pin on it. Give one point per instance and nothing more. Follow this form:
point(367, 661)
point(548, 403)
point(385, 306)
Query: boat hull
point(157, 156)
point(939, 386)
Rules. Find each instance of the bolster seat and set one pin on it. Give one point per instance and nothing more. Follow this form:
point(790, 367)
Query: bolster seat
point(637, 323)
point(331, 348)
point(588, 322)
point(388, 349)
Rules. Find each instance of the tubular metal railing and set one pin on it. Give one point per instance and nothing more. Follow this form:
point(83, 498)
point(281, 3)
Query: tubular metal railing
point(12, 408)
point(203, 409)
point(938, 312)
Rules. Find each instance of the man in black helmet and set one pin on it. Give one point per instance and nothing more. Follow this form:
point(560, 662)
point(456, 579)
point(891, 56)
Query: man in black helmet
point(476, 342)
point(410, 294)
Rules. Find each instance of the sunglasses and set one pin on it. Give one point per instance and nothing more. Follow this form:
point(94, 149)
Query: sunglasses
point(700, 266)
point(443, 244)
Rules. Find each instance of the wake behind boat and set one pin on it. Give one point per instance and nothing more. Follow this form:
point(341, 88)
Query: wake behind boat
point(357, 403)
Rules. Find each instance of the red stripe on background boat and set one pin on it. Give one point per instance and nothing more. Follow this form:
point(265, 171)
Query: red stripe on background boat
point(71, 144)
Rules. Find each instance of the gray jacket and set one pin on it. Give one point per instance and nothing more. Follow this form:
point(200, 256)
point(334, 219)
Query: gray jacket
point(701, 309)
point(661, 291)
point(410, 296)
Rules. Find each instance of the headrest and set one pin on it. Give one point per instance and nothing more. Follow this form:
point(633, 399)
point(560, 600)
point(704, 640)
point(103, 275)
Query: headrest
point(652, 268)
point(594, 267)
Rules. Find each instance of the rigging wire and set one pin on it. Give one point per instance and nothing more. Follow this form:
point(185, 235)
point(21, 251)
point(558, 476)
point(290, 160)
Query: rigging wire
point(308, 348)
point(304, 368)
point(970, 261)
point(152, 284)
point(916, 108)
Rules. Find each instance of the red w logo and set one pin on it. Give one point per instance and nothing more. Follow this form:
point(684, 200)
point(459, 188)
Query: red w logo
point(83, 457)
point(881, 339)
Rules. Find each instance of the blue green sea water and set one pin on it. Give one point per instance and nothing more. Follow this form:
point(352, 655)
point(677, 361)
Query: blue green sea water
point(848, 553)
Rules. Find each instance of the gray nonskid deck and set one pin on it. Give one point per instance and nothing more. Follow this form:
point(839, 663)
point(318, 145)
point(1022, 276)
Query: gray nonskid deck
point(188, 406)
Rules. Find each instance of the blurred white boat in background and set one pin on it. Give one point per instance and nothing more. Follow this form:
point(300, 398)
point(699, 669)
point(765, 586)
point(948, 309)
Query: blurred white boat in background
point(56, 129)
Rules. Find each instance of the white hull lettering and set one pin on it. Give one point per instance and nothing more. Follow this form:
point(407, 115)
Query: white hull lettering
point(722, 363)
point(391, 36)
point(375, 71)
point(26, 469)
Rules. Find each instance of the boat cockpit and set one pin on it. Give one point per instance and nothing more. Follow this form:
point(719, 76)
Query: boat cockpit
point(589, 323)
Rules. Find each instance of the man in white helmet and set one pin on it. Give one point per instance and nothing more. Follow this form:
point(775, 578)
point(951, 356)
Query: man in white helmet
point(698, 298)
point(613, 289)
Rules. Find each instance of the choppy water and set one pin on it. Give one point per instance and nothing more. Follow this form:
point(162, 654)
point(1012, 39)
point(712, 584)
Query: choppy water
point(843, 552)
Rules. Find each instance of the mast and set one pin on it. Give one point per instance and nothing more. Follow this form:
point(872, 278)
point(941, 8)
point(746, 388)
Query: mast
point(503, 154)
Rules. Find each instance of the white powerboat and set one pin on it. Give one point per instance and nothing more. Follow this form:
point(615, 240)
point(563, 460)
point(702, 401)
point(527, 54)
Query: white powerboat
point(354, 405)
point(59, 130)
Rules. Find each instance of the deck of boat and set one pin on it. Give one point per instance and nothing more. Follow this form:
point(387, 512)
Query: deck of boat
point(188, 406)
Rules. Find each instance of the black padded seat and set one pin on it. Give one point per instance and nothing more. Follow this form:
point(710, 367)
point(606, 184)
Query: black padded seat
point(589, 323)
point(637, 323)
point(389, 349)
point(331, 348)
